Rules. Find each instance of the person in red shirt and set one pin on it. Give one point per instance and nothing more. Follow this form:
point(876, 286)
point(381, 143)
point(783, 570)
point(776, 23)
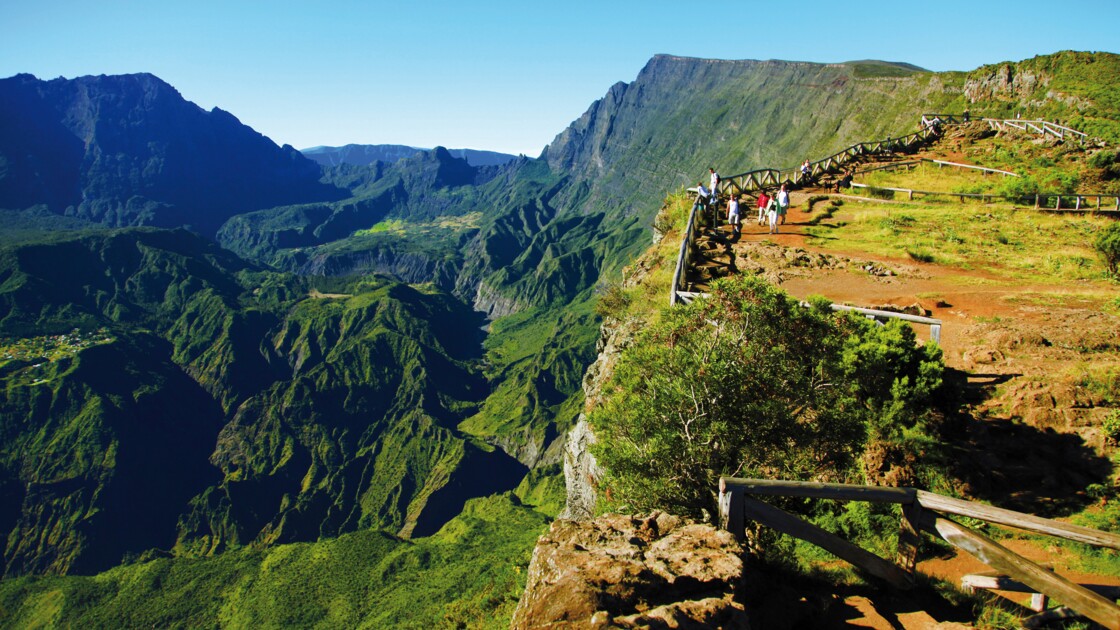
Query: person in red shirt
point(763, 201)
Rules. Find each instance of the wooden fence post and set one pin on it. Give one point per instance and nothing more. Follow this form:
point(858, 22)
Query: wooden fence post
point(909, 537)
point(731, 510)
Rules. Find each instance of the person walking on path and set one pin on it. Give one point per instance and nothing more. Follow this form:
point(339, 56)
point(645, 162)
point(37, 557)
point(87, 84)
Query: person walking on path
point(763, 201)
point(772, 213)
point(805, 169)
point(704, 198)
point(733, 213)
point(783, 203)
point(714, 180)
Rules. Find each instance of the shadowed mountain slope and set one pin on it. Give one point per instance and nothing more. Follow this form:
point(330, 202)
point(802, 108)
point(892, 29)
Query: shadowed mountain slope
point(129, 150)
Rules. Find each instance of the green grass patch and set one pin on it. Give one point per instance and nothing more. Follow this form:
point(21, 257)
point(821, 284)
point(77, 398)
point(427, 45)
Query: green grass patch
point(1009, 243)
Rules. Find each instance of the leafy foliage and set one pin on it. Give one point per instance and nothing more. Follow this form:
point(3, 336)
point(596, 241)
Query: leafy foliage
point(1108, 244)
point(750, 383)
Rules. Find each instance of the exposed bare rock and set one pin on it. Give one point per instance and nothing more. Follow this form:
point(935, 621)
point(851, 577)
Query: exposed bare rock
point(616, 571)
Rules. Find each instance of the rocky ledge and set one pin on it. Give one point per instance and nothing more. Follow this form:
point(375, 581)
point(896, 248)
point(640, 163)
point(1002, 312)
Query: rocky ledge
point(615, 571)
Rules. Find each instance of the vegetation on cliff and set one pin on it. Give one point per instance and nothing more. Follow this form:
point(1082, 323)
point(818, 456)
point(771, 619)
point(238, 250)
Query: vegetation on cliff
point(750, 383)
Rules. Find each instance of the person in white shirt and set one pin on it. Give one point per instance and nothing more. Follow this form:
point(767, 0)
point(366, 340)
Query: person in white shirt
point(733, 213)
point(783, 203)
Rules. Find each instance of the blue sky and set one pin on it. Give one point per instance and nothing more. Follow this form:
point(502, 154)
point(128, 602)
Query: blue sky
point(504, 76)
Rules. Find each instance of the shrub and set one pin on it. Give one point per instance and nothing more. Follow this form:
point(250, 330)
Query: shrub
point(1022, 189)
point(1104, 159)
point(1108, 244)
point(1111, 426)
point(750, 383)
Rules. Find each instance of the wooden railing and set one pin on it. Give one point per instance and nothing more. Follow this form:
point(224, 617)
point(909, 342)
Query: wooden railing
point(684, 256)
point(878, 315)
point(1037, 126)
point(921, 512)
point(982, 169)
point(760, 179)
point(1042, 201)
point(1042, 127)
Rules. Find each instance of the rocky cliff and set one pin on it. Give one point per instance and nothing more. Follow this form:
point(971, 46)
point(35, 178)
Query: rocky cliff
point(633, 572)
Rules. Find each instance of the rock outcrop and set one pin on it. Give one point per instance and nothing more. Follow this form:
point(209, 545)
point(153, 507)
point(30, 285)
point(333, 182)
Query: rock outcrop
point(633, 572)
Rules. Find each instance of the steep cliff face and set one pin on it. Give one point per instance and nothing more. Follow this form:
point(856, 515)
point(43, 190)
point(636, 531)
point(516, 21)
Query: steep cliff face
point(581, 470)
point(682, 115)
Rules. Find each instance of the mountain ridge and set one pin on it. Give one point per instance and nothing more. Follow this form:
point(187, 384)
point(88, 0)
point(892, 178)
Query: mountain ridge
point(365, 154)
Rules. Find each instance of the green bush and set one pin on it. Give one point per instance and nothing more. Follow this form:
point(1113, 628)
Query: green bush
point(1022, 189)
point(750, 383)
point(1108, 244)
point(1104, 159)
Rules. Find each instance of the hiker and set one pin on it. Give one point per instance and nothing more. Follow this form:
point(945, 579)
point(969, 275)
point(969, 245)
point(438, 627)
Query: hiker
point(715, 180)
point(772, 213)
point(783, 203)
point(702, 195)
point(733, 213)
point(763, 201)
point(805, 168)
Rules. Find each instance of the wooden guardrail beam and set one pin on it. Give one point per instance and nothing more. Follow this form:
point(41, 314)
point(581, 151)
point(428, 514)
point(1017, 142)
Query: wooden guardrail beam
point(812, 490)
point(1018, 520)
point(991, 553)
point(783, 521)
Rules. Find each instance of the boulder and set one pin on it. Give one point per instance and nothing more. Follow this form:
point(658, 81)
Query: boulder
point(622, 571)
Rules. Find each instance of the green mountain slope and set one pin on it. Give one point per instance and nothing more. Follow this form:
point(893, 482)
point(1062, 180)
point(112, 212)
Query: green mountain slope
point(470, 573)
point(228, 406)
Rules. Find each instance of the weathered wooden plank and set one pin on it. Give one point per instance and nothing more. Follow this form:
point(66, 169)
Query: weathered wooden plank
point(808, 489)
point(785, 522)
point(1004, 583)
point(1018, 520)
point(997, 556)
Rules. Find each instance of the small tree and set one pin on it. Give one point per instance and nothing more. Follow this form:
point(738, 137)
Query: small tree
point(1108, 244)
point(750, 383)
